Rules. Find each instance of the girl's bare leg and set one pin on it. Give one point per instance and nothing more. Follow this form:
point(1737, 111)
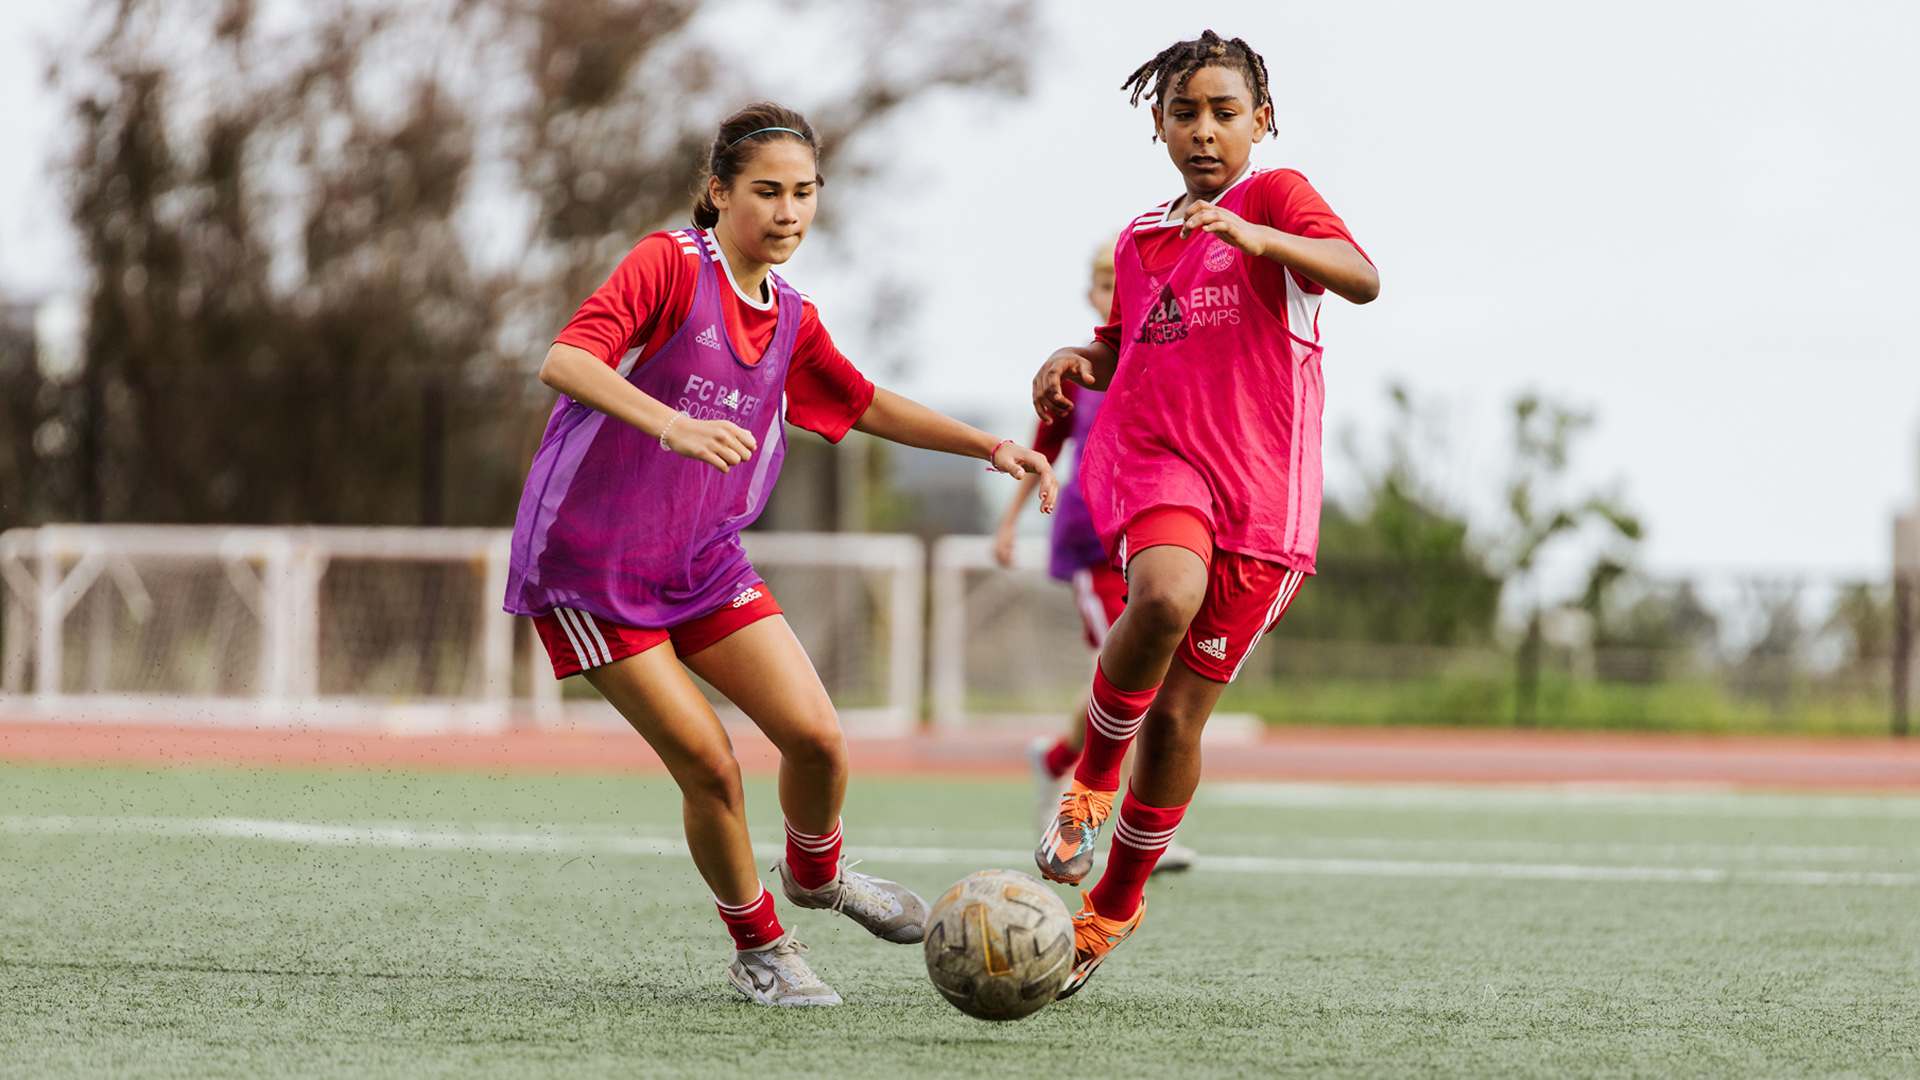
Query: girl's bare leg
point(762, 669)
point(654, 694)
point(1166, 767)
point(1165, 587)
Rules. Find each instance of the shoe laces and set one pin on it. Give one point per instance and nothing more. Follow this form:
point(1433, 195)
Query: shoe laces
point(859, 891)
point(785, 960)
point(1077, 808)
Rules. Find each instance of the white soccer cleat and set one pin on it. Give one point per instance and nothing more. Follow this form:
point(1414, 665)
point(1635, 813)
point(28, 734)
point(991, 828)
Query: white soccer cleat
point(887, 909)
point(1047, 788)
point(777, 975)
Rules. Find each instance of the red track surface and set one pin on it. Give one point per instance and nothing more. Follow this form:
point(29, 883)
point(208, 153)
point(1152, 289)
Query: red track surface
point(1400, 754)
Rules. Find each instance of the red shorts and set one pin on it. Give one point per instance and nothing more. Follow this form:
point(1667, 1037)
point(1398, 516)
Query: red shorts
point(577, 641)
point(1245, 596)
point(1100, 592)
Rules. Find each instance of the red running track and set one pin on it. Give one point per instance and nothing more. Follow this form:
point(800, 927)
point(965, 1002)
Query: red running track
point(1301, 754)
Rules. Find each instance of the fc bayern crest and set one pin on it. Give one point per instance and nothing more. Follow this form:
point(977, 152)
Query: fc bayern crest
point(1220, 258)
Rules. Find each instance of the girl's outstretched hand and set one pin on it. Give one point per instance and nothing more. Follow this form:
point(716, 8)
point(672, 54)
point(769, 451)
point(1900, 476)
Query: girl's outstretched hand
point(1049, 397)
point(720, 443)
point(1016, 461)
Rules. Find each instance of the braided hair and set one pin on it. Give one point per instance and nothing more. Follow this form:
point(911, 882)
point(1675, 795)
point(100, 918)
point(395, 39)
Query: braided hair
point(734, 145)
point(1177, 62)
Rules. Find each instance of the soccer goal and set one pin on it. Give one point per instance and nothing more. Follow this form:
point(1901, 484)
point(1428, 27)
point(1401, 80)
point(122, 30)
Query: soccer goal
point(396, 628)
point(1007, 644)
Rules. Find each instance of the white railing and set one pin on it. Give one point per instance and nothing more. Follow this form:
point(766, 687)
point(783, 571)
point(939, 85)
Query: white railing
point(276, 577)
point(901, 557)
point(966, 578)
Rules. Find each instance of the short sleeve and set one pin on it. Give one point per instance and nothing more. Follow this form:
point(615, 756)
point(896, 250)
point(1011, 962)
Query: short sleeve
point(1283, 199)
point(624, 311)
point(826, 394)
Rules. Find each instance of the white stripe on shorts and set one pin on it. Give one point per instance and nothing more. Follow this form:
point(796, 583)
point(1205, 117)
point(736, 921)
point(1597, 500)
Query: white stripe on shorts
point(577, 634)
point(1093, 611)
point(589, 657)
point(1289, 585)
point(573, 641)
point(606, 654)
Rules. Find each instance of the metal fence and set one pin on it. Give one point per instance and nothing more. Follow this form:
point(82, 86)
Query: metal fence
point(401, 628)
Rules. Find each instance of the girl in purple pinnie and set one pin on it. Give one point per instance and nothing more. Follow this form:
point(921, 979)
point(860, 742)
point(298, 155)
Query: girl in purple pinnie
point(674, 379)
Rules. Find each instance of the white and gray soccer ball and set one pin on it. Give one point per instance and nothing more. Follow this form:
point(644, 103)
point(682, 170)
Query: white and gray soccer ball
point(999, 945)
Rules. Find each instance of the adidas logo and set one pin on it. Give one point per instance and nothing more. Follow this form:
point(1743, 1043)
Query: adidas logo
point(754, 593)
point(1165, 321)
point(708, 337)
point(1214, 647)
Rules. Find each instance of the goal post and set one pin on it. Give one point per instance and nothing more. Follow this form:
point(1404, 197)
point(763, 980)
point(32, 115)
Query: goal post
point(1006, 642)
point(857, 603)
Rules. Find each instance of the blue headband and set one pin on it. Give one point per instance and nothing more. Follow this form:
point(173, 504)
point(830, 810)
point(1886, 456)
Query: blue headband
point(751, 134)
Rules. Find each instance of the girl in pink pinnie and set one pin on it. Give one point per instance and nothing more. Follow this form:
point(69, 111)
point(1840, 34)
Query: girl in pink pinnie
point(1202, 472)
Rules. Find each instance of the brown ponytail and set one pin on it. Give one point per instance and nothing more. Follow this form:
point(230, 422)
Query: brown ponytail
point(735, 144)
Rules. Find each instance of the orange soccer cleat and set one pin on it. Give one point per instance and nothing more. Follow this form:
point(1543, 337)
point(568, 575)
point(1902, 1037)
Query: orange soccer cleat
point(1094, 936)
point(1065, 853)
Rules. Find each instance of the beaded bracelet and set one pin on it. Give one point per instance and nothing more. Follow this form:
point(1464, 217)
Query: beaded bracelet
point(669, 427)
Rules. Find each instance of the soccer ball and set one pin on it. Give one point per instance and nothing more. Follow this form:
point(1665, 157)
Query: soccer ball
point(999, 945)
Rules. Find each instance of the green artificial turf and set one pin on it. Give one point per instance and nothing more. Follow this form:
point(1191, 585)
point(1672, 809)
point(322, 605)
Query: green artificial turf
point(140, 936)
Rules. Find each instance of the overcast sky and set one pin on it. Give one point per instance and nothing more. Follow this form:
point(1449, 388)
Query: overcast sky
point(1696, 219)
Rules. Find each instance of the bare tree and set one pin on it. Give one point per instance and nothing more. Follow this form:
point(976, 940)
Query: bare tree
point(287, 214)
point(1540, 514)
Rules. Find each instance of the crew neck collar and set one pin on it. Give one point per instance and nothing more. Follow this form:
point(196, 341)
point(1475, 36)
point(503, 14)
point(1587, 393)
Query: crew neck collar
point(719, 256)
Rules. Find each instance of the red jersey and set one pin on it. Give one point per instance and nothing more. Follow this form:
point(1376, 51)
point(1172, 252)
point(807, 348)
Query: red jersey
point(1277, 198)
point(627, 320)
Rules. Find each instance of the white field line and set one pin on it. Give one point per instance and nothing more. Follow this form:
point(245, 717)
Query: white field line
point(1705, 801)
point(518, 840)
point(1349, 846)
point(1677, 875)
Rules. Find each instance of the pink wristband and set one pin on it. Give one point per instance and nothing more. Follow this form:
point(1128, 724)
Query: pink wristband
point(995, 452)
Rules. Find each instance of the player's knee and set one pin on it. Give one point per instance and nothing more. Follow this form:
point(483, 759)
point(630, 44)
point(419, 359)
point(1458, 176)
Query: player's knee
point(818, 748)
point(1169, 733)
point(712, 777)
point(1164, 609)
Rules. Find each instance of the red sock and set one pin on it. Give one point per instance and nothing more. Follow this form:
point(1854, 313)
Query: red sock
point(1059, 757)
point(1113, 718)
point(815, 860)
point(752, 925)
point(1142, 834)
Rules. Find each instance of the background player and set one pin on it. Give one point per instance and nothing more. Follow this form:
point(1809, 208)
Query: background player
point(665, 443)
point(1099, 591)
point(1202, 473)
